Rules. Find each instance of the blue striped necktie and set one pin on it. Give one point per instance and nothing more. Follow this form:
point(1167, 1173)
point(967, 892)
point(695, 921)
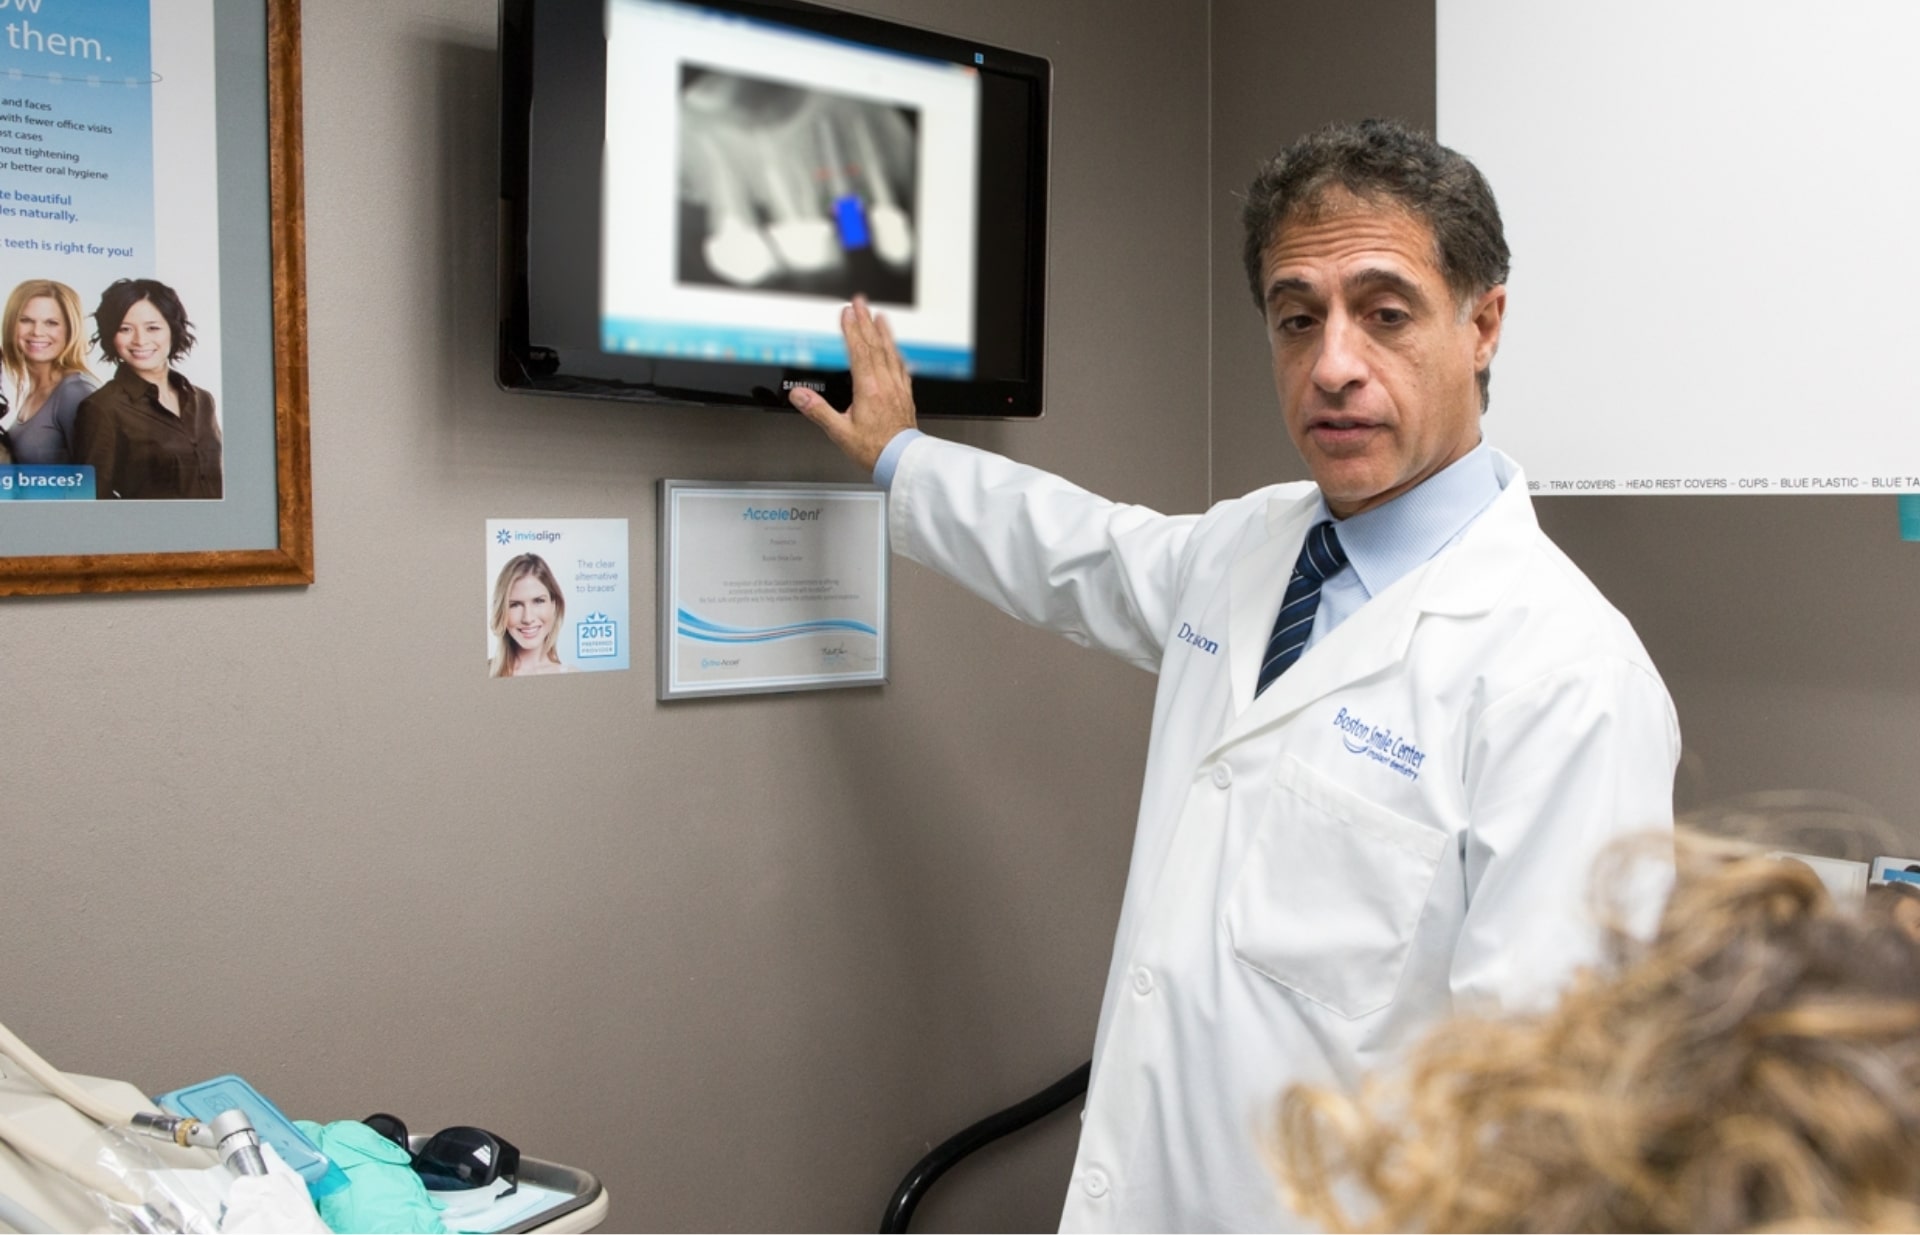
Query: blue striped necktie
point(1319, 558)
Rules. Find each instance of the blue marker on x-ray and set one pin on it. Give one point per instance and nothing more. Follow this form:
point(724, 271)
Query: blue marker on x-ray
point(849, 212)
point(851, 216)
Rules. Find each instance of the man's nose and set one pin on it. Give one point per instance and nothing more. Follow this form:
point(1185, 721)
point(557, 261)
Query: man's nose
point(1341, 361)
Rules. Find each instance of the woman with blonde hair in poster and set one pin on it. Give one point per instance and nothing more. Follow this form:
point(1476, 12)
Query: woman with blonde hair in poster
point(44, 356)
point(527, 617)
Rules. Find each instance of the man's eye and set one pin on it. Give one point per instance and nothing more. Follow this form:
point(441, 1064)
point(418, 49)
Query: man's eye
point(1294, 323)
point(1392, 317)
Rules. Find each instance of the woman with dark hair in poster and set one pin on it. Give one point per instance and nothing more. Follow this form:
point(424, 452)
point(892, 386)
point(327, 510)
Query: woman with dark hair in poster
point(148, 433)
point(46, 366)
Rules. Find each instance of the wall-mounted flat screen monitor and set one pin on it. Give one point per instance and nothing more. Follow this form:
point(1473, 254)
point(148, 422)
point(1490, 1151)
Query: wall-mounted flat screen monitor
point(691, 189)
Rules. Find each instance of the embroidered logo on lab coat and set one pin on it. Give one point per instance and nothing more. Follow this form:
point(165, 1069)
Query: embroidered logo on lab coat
point(1399, 754)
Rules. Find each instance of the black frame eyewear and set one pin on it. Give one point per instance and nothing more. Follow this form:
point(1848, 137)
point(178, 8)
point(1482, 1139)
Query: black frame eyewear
point(454, 1159)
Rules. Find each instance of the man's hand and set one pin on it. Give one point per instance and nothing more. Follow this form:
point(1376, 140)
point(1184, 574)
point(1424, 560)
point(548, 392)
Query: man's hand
point(882, 393)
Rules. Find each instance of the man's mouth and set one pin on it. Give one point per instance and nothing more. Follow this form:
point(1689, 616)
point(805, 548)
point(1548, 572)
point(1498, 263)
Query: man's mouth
point(1341, 436)
point(1341, 425)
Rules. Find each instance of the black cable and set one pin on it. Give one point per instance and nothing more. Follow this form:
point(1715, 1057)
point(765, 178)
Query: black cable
point(948, 1153)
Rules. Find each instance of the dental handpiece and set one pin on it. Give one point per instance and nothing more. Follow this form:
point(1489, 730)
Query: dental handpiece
point(229, 1134)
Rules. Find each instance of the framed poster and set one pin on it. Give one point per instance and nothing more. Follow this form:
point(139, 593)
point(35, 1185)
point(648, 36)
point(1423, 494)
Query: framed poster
point(153, 352)
point(768, 587)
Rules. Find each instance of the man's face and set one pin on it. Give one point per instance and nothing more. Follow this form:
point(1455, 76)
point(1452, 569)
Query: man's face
point(1373, 360)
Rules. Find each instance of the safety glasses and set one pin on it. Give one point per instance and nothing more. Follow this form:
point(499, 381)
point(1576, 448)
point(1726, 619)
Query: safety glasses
point(455, 1158)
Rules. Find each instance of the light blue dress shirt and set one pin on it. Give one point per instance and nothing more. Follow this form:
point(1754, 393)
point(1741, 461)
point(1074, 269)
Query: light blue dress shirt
point(889, 461)
point(1383, 545)
point(1389, 542)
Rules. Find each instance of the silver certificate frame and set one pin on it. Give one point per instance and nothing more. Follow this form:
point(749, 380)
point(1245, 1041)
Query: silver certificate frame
point(768, 587)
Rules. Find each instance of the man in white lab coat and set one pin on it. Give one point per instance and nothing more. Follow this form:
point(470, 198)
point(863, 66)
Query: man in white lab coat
point(1341, 843)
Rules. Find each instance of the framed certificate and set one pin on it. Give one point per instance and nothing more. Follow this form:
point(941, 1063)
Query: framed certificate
point(771, 587)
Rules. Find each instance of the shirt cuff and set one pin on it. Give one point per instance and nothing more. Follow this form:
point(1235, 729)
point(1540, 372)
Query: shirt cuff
point(889, 460)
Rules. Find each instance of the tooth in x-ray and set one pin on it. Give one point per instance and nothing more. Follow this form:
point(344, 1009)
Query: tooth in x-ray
point(804, 240)
point(735, 248)
point(892, 232)
point(849, 212)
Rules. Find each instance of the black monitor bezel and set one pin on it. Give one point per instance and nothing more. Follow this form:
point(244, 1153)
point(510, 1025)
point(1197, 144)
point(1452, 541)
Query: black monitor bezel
point(524, 365)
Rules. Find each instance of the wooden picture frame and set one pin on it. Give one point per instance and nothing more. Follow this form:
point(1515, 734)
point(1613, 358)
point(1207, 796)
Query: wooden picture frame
point(290, 558)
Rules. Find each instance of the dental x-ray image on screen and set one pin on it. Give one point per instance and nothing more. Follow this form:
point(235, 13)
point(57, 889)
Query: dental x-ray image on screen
point(755, 176)
point(785, 188)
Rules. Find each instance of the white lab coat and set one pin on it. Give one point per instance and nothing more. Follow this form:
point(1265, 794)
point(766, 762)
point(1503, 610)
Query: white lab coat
point(1403, 823)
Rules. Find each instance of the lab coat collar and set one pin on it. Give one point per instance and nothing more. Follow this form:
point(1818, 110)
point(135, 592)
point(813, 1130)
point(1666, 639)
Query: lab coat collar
point(1469, 578)
point(1480, 570)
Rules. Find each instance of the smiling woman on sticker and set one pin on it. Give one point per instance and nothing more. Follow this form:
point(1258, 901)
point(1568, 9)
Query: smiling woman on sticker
point(46, 366)
point(528, 613)
point(149, 433)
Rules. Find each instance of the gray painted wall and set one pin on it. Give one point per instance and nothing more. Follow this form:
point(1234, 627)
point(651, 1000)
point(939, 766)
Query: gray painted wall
point(745, 959)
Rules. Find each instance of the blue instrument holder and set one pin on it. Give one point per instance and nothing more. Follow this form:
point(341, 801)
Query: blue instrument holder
point(230, 1092)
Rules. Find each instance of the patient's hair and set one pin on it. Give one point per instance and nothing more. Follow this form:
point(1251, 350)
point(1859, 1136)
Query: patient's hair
point(1755, 1065)
point(1897, 902)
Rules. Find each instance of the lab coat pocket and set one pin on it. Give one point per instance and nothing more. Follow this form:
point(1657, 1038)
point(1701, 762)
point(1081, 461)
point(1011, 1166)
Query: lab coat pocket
point(1329, 893)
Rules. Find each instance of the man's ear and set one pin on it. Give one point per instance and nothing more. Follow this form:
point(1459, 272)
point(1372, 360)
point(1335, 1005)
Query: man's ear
point(1489, 313)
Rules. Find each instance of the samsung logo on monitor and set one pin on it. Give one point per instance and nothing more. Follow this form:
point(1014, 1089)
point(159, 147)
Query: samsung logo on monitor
point(794, 383)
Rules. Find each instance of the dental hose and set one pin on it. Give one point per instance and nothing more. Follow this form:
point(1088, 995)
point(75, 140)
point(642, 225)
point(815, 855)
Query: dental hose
point(85, 1174)
point(230, 1134)
point(57, 1083)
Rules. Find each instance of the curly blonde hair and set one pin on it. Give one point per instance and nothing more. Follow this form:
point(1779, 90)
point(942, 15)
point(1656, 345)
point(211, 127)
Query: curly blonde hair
point(1753, 1066)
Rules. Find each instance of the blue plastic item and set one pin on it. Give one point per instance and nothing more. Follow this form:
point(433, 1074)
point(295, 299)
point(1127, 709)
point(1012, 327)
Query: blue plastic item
point(226, 1093)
